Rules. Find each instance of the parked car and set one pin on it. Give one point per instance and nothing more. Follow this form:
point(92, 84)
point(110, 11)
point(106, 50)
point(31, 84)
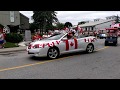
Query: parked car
point(111, 40)
point(112, 37)
point(101, 36)
point(54, 46)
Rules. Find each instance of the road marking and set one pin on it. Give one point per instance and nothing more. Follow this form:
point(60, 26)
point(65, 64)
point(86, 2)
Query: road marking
point(102, 48)
point(28, 65)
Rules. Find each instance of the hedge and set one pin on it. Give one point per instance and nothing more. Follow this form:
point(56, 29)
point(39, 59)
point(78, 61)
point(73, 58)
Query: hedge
point(13, 38)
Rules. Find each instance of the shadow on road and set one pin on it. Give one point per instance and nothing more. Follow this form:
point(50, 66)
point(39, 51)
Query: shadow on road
point(60, 57)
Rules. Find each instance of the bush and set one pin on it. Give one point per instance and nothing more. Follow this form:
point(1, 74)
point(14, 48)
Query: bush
point(14, 38)
point(10, 45)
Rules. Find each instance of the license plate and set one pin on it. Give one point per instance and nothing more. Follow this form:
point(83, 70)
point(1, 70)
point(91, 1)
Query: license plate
point(110, 42)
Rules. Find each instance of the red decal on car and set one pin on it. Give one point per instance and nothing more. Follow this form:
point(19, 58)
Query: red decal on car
point(58, 42)
point(71, 44)
point(95, 39)
point(92, 40)
point(48, 44)
point(43, 45)
point(30, 46)
point(40, 45)
point(88, 40)
point(76, 43)
point(51, 44)
point(67, 45)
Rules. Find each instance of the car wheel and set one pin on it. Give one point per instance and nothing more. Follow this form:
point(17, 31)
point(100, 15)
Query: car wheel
point(90, 48)
point(53, 53)
point(116, 44)
point(106, 43)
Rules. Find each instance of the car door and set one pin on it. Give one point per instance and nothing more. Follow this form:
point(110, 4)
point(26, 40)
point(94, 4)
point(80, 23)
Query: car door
point(84, 41)
point(68, 45)
point(81, 42)
point(72, 44)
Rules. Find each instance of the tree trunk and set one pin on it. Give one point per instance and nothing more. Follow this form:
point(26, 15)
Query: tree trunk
point(44, 25)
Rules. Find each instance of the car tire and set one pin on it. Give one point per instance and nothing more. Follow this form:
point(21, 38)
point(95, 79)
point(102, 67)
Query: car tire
point(90, 48)
point(53, 53)
point(116, 44)
point(106, 43)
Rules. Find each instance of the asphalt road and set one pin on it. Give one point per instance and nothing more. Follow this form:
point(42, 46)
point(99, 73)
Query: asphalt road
point(102, 64)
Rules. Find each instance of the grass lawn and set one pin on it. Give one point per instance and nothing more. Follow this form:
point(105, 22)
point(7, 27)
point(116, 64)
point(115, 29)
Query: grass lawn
point(10, 45)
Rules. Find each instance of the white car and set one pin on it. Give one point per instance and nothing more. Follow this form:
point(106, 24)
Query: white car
point(54, 46)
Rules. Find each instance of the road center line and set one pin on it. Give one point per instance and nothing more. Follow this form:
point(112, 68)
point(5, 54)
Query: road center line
point(28, 65)
point(102, 48)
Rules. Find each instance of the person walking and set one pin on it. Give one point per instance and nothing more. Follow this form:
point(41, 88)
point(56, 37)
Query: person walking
point(1, 40)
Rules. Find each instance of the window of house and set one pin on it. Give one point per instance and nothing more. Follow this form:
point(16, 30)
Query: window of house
point(92, 28)
point(86, 29)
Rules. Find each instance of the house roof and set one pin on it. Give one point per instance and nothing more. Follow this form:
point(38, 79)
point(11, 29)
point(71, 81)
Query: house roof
point(111, 16)
point(94, 23)
point(24, 15)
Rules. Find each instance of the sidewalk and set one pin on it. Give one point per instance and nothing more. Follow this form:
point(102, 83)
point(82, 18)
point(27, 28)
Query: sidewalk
point(15, 49)
point(22, 47)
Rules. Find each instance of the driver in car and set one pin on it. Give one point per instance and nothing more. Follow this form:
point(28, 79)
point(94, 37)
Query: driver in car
point(70, 35)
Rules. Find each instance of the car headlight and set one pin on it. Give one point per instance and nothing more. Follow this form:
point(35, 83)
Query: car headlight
point(37, 46)
point(29, 46)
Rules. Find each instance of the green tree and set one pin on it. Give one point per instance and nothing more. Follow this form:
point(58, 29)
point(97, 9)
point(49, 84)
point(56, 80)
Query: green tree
point(60, 25)
point(33, 26)
point(44, 18)
point(49, 27)
point(68, 24)
point(117, 20)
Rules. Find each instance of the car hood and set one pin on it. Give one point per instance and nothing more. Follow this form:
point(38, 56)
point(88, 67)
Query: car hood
point(42, 42)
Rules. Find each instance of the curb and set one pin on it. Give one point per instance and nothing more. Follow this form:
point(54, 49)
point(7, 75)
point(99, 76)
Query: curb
point(12, 51)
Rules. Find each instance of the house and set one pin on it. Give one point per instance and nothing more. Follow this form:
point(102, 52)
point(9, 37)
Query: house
point(14, 20)
point(98, 24)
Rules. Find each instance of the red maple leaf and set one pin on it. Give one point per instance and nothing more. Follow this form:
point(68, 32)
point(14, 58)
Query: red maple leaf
point(71, 44)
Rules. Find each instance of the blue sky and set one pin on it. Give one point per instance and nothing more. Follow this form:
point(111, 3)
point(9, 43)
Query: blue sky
point(76, 16)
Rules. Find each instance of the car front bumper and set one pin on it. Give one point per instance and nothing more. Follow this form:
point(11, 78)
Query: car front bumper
point(38, 52)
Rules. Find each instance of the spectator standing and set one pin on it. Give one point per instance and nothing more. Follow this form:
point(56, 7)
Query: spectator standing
point(36, 37)
point(2, 40)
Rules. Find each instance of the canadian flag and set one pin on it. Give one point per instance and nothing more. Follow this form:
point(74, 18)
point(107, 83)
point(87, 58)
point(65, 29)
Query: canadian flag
point(79, 29)
point(71, 44)
point(66, 29)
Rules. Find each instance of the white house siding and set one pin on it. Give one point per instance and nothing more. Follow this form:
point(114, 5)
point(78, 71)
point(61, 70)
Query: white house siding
point(103, 26)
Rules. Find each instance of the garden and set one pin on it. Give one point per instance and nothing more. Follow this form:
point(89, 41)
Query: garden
point(12, 40)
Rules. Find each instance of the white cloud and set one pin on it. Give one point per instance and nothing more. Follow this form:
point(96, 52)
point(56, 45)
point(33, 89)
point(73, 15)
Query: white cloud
point(76, 16)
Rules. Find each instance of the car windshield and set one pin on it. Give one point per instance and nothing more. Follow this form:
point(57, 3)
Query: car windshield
point(56, 37)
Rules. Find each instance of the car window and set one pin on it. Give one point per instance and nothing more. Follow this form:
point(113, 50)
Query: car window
point(82, 36)
point(54, 37)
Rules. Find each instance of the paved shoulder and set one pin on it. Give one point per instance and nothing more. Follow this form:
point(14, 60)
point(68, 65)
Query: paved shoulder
point(13, 49)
